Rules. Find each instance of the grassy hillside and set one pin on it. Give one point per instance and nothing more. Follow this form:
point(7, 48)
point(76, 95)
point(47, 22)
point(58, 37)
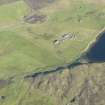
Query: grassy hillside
point(27, 48)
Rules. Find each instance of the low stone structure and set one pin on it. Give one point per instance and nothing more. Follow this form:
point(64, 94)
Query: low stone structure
point(64, 37)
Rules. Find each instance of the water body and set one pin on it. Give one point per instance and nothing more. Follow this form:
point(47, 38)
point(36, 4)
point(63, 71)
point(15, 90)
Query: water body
point(96, 52)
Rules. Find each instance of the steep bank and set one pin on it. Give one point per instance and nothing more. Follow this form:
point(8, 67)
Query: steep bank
point(82, 85)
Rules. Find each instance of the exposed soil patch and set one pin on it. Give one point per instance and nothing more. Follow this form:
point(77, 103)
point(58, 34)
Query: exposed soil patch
point(38, 4)
point(34, 18)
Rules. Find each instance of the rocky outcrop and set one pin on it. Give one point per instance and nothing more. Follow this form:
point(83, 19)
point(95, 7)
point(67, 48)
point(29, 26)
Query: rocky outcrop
point(83, 85)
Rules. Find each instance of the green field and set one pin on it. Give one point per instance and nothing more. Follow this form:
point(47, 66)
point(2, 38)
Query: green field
point(27, 48)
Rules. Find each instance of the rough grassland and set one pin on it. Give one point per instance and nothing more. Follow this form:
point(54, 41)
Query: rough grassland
point(26, 48)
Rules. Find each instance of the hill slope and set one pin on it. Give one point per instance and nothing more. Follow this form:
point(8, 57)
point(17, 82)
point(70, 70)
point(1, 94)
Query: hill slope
point(34, 40)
